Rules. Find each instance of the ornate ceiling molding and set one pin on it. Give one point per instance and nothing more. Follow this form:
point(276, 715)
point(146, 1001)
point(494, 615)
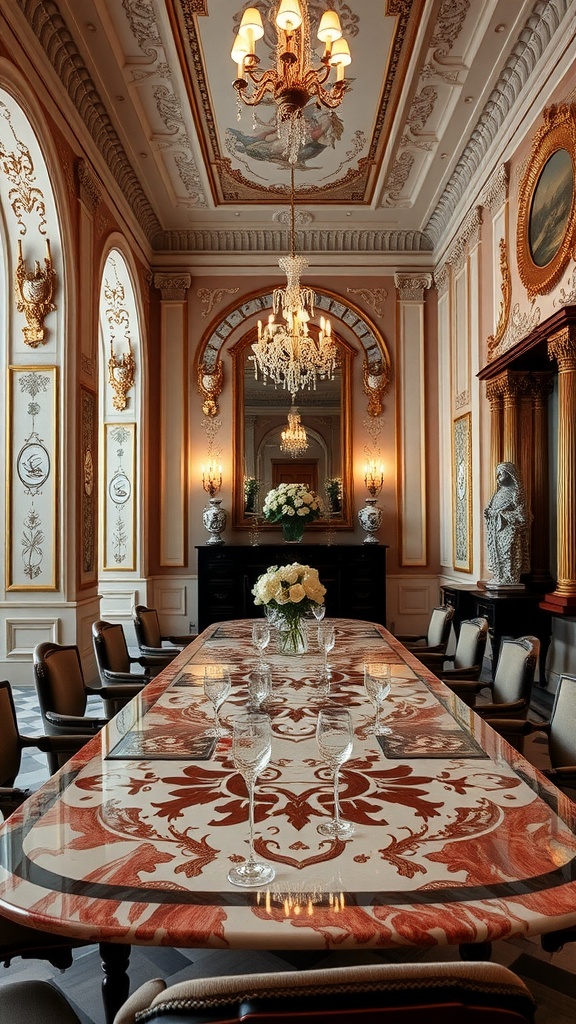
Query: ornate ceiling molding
point(52, 33)
point(543, 23)
point(249, 240)
point(495, 192)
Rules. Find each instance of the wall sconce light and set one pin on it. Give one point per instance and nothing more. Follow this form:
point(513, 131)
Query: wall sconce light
point(212, 478)
point(373, 477)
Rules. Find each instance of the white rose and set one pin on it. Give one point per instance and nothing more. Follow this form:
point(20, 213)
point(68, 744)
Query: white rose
point(297, 593)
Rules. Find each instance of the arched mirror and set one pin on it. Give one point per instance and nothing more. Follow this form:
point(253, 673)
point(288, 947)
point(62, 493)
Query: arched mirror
point(261, 414)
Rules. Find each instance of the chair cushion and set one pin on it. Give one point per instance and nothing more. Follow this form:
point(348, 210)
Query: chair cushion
point(483, 991)
point(34, 1002)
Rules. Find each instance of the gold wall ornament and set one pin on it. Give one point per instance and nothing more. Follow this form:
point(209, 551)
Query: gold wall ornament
point(376, 380)
point(504, 310)
point(34, 291)
point(209, 382)
point(121, 374)
point(546, 228)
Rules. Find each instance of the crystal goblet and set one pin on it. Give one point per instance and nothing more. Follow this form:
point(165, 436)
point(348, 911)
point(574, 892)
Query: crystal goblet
point(251, 750)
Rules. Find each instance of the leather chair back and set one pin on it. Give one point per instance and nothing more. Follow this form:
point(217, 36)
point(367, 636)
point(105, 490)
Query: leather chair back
point(110, 647)
point(515, 671)
point(10, 747)
point(439, 626)
point(562, 736)
point(471, 643)
point(59, 680)
point(147, 626)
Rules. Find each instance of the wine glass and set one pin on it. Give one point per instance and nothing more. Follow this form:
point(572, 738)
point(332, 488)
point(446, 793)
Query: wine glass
point(251, 749)
point(326, 641)
point(217, 686)
point(259, 687)
point(377, 685)
point(318, 611)
point(335, 736)
point(260, 638)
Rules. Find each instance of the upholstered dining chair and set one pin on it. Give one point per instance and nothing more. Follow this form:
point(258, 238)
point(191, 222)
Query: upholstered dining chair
point(466, 662)
point(114, 661)
point(12, 744)
point(441, 991)
point(430, 993)
point(149, 637)
point(511, 687)
point(63, 694)
point(436, 639)
point(559, 730)
point(17, 939)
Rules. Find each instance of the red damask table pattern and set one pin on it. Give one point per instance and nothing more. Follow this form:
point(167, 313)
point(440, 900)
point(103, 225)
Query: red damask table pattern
point(458, 839)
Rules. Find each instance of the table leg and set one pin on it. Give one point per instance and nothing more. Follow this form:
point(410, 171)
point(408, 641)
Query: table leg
point(115, 983)
point(475, 950)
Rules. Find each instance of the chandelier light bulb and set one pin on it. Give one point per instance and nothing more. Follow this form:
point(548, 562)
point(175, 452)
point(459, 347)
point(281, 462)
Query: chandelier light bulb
point(289, 16)
point(251, 27)
point(329, 29)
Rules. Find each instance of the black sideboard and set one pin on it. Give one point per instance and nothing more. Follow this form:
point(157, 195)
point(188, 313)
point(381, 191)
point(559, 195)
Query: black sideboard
point(354, 576)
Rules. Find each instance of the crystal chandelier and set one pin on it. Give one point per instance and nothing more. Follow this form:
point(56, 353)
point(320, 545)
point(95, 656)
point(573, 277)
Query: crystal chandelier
point(286, 352)
point(294, 440)
point(294, 81)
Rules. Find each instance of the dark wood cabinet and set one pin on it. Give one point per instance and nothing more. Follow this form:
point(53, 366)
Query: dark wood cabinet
point(514, 615)
point(354, 576)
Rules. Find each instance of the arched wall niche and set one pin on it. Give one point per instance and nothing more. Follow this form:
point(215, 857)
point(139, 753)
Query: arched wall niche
point(122, 380)
point(236, 328)
point(377, 368)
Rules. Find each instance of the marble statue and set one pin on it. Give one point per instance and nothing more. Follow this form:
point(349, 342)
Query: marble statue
point(507, 524)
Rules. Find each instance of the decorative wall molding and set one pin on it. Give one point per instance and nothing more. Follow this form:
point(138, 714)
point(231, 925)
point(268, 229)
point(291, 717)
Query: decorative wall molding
point(495, 192)
point(544, 21)
point(89, 187)
point(301, 217)
point(442, 276)
point(246, 240)
point(172, 286)
point(411, 287)
point(468, 237)
point(519, 325)
point(373, 297)
point(504, 308)
point(567, 298)
point(212, 297)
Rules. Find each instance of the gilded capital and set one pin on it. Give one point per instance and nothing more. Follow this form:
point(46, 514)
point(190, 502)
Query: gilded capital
point(562, 348)
point(412, 286)
point(172, 286)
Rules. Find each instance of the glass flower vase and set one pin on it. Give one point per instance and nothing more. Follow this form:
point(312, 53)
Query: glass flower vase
point(292, 530)
point(291, 634)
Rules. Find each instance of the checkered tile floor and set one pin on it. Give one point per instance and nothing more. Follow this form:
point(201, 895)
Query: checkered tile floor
point(550, 977)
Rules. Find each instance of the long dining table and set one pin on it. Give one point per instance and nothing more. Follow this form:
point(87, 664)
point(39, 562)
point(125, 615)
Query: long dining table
point(458, 839)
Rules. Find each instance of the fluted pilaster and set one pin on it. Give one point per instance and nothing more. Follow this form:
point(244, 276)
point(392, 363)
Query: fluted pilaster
point(562, 348)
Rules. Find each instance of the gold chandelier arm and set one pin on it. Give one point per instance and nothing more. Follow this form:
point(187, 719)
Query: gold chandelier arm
point(263, 81)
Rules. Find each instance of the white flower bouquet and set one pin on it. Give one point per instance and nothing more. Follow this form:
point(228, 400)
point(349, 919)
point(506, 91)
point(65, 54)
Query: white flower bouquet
point(290, 591)
point(292, 502)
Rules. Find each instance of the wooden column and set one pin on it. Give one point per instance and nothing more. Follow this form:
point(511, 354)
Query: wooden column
point(562, 348)
point(494, 395)
point(513, 388)
point(541, 387)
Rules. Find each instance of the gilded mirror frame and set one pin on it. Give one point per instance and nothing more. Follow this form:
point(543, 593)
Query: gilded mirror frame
point(557, 134)
point(240, 520)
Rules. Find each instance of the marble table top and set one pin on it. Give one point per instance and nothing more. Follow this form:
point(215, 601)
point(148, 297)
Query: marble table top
point(457, 838)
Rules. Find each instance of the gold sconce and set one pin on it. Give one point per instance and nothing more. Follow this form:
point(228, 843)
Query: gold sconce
point(121, 371)
point(34, 291)
point(212, 478)
point(373, 477)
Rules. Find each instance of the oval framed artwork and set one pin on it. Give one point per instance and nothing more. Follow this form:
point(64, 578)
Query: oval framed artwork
point(546, 231)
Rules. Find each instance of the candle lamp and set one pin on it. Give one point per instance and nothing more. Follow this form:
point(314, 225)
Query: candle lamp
point(212, 479)
point(373, 477)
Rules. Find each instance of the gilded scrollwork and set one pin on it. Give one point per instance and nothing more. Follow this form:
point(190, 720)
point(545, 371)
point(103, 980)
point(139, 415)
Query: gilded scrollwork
point(211, 297)
point(376, 380)
point(505, 301)
point(121, 368)
point(34, 293)
point(17, 166)
point(209, 382)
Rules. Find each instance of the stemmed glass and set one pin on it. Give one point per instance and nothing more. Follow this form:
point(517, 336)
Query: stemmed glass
point(259, 687)
point(326, 641)
point(335, 736)
point(319, 611)
point(377, 685)
point(217, 686)
point(260, 638)
point(251, 749)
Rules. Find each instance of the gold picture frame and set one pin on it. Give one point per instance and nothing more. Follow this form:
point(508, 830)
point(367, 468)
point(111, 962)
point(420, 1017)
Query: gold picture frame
point(546, 228)
point(462, 493)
